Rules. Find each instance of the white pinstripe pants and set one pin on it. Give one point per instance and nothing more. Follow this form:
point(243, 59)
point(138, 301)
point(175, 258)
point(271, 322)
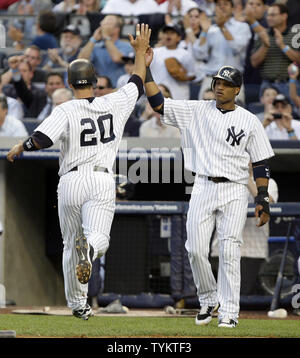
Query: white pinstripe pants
point(86, 203)
point(222, 206)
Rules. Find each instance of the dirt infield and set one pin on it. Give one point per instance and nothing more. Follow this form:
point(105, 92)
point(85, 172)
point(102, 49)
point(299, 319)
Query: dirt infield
point(132, 312)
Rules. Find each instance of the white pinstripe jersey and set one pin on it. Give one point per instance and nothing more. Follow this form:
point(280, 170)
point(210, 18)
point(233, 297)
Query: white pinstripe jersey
point(90, 131)
point(217, 144)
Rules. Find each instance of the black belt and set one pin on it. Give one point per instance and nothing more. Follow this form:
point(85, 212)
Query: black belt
point(218, 179)
point(95, 169)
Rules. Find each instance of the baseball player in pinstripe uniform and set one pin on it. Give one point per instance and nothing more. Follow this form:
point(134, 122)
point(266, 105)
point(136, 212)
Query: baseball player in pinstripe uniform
point(90, 130)
point(219, 139)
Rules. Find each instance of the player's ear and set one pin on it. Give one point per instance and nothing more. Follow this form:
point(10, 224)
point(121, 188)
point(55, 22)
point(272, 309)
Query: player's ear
point(237, 90)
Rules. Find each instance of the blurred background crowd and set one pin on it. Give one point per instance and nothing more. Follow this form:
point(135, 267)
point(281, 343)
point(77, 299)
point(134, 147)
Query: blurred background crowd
point(259, 37)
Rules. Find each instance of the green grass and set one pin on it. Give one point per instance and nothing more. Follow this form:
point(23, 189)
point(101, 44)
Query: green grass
point(68, 326)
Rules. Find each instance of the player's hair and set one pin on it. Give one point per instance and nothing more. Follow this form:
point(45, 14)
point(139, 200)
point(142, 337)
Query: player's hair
point(3, 101)
point(283, 9)
point(54, 73)
point(47, 21)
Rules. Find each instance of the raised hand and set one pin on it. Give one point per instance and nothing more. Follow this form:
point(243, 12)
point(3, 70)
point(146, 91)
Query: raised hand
point(141, 42)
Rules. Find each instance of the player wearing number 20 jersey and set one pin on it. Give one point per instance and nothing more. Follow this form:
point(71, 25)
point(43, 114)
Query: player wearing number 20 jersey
point(90, 129)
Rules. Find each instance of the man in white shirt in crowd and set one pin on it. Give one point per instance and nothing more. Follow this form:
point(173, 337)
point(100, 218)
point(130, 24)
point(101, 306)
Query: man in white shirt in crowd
point(172, 37)
point(9, 125)
point(130, 7)
point(279, 124)
point(177, 7)
point(61, 95)
point(222, 43)
point(153, 126)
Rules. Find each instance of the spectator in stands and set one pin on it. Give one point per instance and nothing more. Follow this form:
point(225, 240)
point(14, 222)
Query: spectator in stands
point(130, 7)
point(128, 66)
point(224, 42)
point(160, 69)
point(45, 28)
point(274, 60)
point(255, 16)
point(192, 27)
point(9, 125)
point(293, 71)
point(281, 125)
point(208, 94)
point(103, 86)
point(267, 98)
point(61, 95)
point(66, 6)
point(32, 55)
point(15, 33)
point(152, 126)
point(254, 250)
point(24, 70)
point(30, 7)
point(37, 102)
point(208, 6)
point(177, 7)
point(14, 108)
point(294, 11)
point(70, 42)
point(105, 49)
point(86, 6)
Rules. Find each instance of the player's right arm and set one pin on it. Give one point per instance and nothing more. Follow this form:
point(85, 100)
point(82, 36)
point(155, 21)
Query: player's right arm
point(177, 113)
point(44, 136)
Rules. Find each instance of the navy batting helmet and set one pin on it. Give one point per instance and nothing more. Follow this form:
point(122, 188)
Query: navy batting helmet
point(81, 72)
point(229, 74)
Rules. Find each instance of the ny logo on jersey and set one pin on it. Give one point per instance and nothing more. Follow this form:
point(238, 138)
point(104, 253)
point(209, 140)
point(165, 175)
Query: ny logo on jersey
point(236, 138)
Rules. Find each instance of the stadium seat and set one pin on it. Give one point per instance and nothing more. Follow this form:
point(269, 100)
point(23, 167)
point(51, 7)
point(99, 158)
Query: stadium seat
point(255, 107)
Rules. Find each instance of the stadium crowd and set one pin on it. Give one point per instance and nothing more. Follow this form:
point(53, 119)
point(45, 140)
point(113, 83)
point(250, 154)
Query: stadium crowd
point(191, 37)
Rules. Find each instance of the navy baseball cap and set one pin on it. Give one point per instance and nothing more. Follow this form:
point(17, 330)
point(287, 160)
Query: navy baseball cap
point(73, 29)
point(281, 98)
point(129, 57)
point(171, 27)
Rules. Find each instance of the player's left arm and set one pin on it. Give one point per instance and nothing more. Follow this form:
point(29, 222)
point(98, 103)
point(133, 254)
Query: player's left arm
point(260, 149)
point(261, 174)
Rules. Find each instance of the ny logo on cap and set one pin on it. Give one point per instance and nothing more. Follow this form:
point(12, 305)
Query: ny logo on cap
point(226, 73)
point(236, 138)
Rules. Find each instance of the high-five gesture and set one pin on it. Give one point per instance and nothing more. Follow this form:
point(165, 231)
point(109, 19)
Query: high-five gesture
point(140, 45)
point(141, 42)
